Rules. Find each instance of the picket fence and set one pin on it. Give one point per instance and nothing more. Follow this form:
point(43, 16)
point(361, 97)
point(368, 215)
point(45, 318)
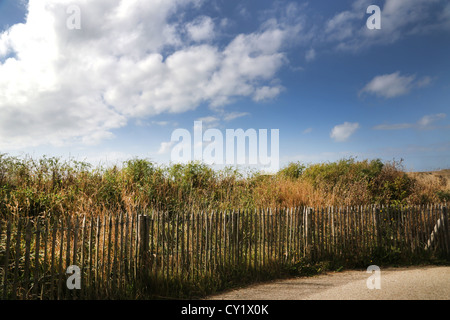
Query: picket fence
point(157, 254)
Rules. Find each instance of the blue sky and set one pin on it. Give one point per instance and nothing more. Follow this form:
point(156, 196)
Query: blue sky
point(134, 72)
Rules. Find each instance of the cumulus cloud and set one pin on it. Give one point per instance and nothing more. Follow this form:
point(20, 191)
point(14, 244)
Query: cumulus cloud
point(343, 132)
point(394, 85)
point(201, 29)
point(165, 147)
point(266, 93)
point(399, 19)
point(129, 60)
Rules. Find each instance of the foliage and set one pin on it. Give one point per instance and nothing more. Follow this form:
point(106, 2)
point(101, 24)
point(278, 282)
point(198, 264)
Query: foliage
point(292, 171)
point(52, 186)
point(444, 196)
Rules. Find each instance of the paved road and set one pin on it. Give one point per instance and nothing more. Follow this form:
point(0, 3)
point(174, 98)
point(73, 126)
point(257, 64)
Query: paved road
point(414, 283)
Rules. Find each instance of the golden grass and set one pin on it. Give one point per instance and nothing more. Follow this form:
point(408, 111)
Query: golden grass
point(51, 187)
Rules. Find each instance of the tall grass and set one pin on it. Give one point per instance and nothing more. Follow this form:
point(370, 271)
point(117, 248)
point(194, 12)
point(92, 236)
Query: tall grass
point(55, 187)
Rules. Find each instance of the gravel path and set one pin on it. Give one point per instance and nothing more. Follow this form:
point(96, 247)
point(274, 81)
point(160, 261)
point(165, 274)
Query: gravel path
point(413, 283)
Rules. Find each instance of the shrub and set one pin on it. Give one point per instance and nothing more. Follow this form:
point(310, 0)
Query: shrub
point(53, 186)
point(138, 171)
point(292, 171)
point(444, 196)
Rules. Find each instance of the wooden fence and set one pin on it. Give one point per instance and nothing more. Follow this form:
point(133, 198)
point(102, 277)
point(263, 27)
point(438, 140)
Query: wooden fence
point(141, 255)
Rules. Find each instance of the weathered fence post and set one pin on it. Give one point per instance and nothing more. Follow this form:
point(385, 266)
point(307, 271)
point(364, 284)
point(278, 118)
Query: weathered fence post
point(143, 243)
point(36, 259)
point(446, 229)
point(308, 232)
point(28, 234)
point(442, 222)
point(378, 227)
point(6, 265)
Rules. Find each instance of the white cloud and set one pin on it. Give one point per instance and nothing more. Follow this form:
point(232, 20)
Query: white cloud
point(165, 147)
point(266, 93)
point(340, 27)
point(235, 115)
point(161, 123)
point(201, 29)
point(208, 119)
point(130, 60)
point(429, 119)
point(310, 55)
point(397, 126)
point(425, 123)
point(209, 122)
point(425, 81)
point(394, 85)
point(342, 132)
point(214, 121)
point(399, 19)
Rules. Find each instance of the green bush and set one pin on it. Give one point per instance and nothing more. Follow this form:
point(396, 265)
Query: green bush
point(138, 171)
point(55, 186)
point(444, 196)
point(376, 181)
point(293, 170)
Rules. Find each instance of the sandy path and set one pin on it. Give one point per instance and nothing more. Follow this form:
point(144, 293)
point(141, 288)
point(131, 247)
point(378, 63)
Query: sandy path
point(413, 283)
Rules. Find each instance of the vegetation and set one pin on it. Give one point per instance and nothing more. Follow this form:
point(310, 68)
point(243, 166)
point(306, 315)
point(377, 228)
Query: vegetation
point(52, 186)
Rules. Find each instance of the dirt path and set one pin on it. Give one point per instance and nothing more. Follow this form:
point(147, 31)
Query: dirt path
point(414, 283)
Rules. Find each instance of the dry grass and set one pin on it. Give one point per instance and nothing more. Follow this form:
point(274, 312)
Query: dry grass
point(435, 179)
point(53, 187)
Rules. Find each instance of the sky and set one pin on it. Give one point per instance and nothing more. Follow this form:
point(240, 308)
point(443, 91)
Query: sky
point(104, 81)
